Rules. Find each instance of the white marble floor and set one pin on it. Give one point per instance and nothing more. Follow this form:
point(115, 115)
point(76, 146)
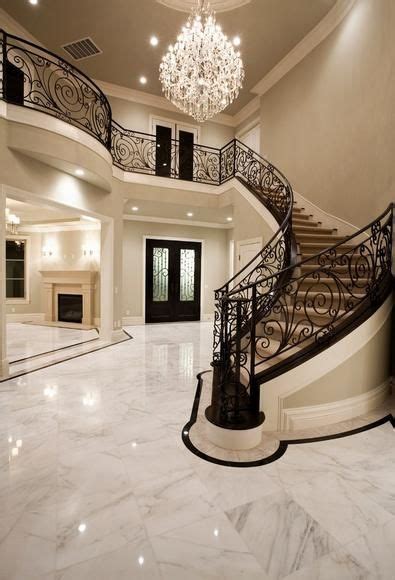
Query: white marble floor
point(26, 340)
point(96, 484)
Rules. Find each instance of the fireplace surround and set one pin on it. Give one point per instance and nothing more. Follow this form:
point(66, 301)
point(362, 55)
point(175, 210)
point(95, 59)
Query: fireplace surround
point(70, 283)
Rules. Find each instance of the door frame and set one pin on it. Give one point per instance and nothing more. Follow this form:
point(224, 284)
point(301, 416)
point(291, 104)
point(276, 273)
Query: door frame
point(202, 262)
point(248, 242)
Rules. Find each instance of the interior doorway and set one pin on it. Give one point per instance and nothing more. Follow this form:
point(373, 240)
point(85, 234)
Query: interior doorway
point(172, 280)
point(174, 148)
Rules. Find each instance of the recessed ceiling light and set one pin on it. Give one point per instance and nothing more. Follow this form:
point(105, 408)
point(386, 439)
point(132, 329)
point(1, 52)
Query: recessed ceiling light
point(190, 214)
point(135, 208)
point(229, 219)
point(154, 41)
point(82, 528)
point(237, 41)
point(143, 80)
point(79, 172)
point(34, 2)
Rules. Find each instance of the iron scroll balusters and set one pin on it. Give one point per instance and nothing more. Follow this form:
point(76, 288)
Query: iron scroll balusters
point(52, 85)
point(274, 323)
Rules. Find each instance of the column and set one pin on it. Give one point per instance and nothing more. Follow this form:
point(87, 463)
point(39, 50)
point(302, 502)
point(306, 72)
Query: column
point(4, 367)
point(111, 279)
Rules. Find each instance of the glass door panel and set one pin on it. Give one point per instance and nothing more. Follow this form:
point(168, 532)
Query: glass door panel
point(172, 291)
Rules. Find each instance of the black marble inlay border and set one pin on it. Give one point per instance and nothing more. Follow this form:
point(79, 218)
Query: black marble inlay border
point(19, 360)
point(283, 446)
point(22, 374)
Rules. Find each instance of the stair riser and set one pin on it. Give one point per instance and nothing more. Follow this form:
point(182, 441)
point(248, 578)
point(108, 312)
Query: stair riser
point(300, 230)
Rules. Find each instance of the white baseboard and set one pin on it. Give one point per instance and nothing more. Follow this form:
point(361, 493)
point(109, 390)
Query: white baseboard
point(29, 317)
point(133, 320)
point(329, 413)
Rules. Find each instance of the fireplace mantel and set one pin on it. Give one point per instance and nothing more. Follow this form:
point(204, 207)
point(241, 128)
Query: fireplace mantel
point(68, 282)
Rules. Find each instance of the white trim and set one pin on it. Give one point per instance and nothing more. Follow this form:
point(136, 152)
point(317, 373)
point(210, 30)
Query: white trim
point(249, 109)
point(141, 218)
point(251, 125)
point(277, 390)
point(329, 413)
point(27, 270)
point(132, 320)
point(321, 31)
point(202, 262)
point(330, 220)
point(27, 317)
point(50, 228)
point(134, 96)
point(41, 120)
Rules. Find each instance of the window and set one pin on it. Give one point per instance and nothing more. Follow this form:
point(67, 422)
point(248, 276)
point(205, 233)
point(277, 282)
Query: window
point(15, 269)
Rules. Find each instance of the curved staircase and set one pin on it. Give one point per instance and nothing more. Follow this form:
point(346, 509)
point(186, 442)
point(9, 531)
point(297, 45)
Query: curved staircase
point(306, 289)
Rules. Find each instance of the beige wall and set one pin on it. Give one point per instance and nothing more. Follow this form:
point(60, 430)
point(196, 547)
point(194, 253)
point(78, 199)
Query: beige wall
point(369, 368)
point(247, 224)
point(214, 262)
point(136, 116)
point(329, 125)
point(67, 254)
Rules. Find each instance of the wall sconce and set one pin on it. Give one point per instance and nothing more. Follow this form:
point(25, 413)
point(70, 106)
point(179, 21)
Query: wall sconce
point(46, 251)
point(87, 251)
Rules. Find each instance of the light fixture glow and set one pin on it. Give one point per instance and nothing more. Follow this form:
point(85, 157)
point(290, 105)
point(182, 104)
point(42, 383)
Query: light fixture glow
point(154, 41)
point(216, 532)
point(190, 214)
point(79, 172)
point(33, 2)
point(229, 219)
point(143, 80)
point(141, 560)
point(135, 208)
point(82, 528)
point(236, 41)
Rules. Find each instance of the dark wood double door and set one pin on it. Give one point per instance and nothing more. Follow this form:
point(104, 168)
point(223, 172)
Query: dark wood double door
point(172, 286)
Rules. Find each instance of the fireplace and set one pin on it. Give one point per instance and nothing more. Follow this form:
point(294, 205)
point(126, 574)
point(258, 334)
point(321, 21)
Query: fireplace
point(70, 283)
point(70, 307)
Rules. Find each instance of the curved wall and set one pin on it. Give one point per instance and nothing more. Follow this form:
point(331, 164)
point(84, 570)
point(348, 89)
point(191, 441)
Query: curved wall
point(330, 122)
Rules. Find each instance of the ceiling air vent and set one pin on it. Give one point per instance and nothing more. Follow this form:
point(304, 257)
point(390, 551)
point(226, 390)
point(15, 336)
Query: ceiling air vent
point(83, 48)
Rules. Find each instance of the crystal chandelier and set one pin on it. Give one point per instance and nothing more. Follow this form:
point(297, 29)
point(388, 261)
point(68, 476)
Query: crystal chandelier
point(202, 73)
point(12, 222)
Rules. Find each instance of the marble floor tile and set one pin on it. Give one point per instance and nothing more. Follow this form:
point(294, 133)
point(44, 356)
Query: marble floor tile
point(281, 534)
point(24, 340)
point(90, 526)
point(195, 553)
point(132, 562)
point(336, 565)
point(339, 508)
point(96, 483)
point(376, 551)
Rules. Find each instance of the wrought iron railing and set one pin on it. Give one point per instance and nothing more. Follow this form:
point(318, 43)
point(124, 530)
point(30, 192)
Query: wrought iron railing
point(39, 79)
point(273, 313)
point(136, 152)
point(278, 321)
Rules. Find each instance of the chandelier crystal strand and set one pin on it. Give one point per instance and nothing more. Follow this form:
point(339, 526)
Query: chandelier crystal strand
point(202, 73)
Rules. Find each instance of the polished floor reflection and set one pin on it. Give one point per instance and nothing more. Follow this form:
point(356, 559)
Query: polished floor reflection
point(27, 340)
point(96, 484)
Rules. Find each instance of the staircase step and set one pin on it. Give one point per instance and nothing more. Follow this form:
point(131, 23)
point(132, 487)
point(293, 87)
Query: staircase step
point(305, 223)
point(333, 281)
point(332, 238)
point(317, 247)
point(340, 268)
point(300, 216)
point(307, 229)
point(313, 257)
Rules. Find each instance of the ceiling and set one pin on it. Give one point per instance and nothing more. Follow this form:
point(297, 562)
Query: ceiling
point(268, 29)
point(175, 211)
point(39, 213)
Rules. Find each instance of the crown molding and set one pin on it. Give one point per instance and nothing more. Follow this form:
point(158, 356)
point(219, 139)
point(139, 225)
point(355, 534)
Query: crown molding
point(135, 96)
point(247, 111)
point(12, 26)
point(189, 223)
point(321, 31)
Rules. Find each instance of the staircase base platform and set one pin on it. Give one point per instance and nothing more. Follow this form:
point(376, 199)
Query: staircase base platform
point(199, 438)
